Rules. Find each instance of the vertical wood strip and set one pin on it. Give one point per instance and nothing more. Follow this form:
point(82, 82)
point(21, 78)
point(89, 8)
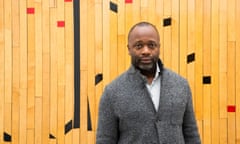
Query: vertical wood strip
point(2, 71)
point(69, 68)
point(91, 100)
point(183, 37)
point(8, 67)
point(45, 71)
point(237, 72)
point(83, 70)
point(215, 71)
point(61, 73)
point(175, 35)
point(23, 73)
point(15, 74)
point(207, 72)
point(231, 100)
point(53, 75)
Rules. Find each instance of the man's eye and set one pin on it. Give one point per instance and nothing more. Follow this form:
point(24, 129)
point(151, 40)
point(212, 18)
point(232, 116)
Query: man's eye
point(138, 46)
point(152, 45)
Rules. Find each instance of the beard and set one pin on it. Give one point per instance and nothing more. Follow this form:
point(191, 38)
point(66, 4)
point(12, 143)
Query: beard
point(143, 66)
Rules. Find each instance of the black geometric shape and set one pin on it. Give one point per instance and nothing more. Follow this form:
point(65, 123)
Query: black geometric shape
point(68, 126)
point(113, 7)
point(7, 137)
point(76, 20)
point(191, 58)
point(167, 21)
point(207, 80)
point(52, 136)
point(98, 78)
point(89, 121)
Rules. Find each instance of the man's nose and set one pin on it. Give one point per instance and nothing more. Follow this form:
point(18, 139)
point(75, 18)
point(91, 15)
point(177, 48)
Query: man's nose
point(145, 50)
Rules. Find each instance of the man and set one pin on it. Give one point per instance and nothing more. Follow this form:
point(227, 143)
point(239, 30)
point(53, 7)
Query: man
point(148, 104)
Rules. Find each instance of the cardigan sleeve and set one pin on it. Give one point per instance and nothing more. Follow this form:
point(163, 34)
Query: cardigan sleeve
point(190, 129)
point(107, 131)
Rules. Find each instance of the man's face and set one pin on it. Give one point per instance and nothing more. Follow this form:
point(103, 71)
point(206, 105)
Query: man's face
point(143, 47)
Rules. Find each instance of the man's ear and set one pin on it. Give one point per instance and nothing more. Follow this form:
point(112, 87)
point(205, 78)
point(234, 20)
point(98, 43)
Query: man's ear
point(128, 49)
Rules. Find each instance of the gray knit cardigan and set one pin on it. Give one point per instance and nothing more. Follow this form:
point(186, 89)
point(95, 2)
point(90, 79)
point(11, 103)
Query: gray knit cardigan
point(127, 114)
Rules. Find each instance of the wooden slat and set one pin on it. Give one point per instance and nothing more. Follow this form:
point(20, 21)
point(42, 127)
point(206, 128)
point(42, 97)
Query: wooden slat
point(38, 120)
point(7, 67)
point(207, 72)
point(99, 52)
point(231, 99)
point(237, 73)
point(69, 68)
point(223, 58)
point(53, 75)
point(45, 71)
point(121, 43)
point(167, 31)
point(144, 10)
point(113, 44)
point(31, 76)
point(199, 61)
point(38, 49)
point(91, 63)
point(106, 43)
point(215, 71)
point(223, 129)
point(61, 56)
point(183, 37)
point(83, 70)
point(175, 36)
point(15, 74)
point(23, 74)
point(159, 24)
point(191, 46)
point(2, 63)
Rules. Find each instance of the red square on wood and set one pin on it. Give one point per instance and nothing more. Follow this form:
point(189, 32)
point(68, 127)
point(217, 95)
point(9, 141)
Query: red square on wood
point(231, 108)
point(128, 1)
point(61, 23)
point(30, 10)
point(68, 0)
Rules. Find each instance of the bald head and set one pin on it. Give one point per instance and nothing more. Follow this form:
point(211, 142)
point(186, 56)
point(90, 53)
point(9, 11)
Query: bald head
point(143, 24)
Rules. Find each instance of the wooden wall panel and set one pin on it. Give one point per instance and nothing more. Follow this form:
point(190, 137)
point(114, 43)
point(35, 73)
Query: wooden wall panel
point(201, 43)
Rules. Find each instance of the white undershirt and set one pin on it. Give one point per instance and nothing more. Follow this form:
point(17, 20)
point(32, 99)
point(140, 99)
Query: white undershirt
point(154, 88)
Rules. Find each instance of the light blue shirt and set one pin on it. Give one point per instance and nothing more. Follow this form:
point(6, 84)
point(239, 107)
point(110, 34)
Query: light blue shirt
point(155, 88)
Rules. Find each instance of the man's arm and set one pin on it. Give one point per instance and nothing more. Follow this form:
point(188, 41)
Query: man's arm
point(107, 131)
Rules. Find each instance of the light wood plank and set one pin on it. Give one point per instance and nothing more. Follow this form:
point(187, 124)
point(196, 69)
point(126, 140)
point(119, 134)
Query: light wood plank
point(69, 66)
point(38, 49)
point(38, 120)
point(106, 43)
point(45, 71)
point(23, 74)
point(98, 52)
point(207, 71)
point(91, 63)
point(175, 36)
point(231, 99)
point(159, 24)
point(199, 61)
point(237, 73)
point(53, 74)
point(2, 65)
point(31, 76)
point(223, 129)
point(121, 43)
point(223, 58)
point(183, 38)
point(215, 130)
point(191, 46)
point(167, 35)
point(8, 67)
